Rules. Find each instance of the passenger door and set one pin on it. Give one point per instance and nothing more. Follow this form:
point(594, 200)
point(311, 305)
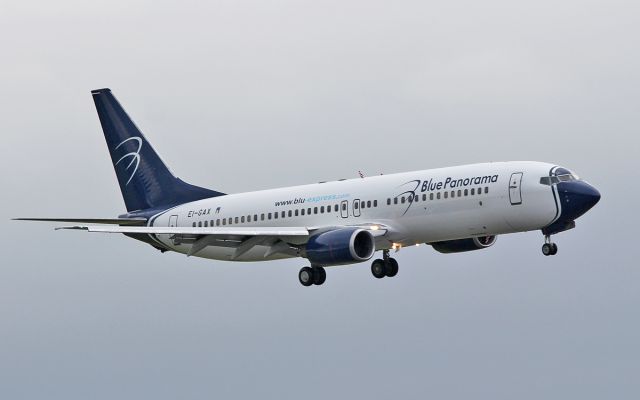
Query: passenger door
point(515, 190)
point(173, 222)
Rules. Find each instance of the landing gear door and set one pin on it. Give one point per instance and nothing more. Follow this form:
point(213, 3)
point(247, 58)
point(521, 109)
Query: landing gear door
point(515, 190)
point(344, 209)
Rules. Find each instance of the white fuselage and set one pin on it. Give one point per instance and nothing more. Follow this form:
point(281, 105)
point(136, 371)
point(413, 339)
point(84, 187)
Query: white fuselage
point(414, 207)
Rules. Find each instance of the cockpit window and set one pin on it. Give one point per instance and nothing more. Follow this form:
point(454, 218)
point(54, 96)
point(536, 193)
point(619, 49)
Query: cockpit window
point(550, 180)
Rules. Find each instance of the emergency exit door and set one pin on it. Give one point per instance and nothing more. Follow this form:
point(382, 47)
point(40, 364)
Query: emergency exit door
point(515, 190)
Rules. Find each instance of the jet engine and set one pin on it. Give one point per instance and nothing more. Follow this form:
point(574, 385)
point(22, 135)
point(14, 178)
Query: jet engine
point(460, 245)
point(340, 246)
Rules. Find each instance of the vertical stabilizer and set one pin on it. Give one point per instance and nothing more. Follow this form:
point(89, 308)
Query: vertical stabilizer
point(145, 181)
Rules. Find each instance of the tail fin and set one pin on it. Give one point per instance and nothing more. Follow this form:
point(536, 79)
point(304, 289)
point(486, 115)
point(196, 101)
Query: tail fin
point(145, 181)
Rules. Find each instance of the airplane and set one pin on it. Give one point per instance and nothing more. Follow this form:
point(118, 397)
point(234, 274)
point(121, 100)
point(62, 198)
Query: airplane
point(454, 209)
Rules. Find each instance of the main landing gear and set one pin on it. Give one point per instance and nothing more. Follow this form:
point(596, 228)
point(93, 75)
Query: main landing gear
point(312, 276)
point(549, 248)
point(386, 266)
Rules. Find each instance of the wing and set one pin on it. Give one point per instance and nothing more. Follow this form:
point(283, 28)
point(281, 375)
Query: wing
point(175, 230)
point(242, 239)
point(110, 221)
point(277, 239)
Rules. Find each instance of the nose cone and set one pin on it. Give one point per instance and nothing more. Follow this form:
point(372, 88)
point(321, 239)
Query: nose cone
point(577, 198)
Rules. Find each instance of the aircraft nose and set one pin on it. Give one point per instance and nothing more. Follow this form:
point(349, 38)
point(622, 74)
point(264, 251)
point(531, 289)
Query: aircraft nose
point(577, 198)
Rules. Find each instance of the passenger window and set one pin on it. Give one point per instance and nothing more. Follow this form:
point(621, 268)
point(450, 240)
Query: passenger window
point(438, 196)
point(199, 224)
point(275, 215)
point(424, 197)
point(368, 203)
point(362, 204)
point(194, 224)
point(290, 213)
point(446, 195)
point(218, 222)
point(459, 193)
point(224, 221)
point(430, 196)
point(269, 215)
point(315, 210)
point(453, 194)
point(402, 199)
point(206, 224)
point(262, 217)
point(388, 202)
point(309, 211)
point(395, 200)
point(473, 191)
point(236, 220)
point(486, 190)
point(242, 219)
point(466, 192)
point(230, 221)
point(336, 208)
point(356, 205)
point(296, 213)
point(375, 203)
point(321, 209)
point(302, 211)
point(282, 214)
point(328, 209)
point(255, 217)
point(479, 191)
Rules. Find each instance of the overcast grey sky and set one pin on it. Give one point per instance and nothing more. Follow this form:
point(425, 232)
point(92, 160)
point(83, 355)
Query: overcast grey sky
point(245, 94)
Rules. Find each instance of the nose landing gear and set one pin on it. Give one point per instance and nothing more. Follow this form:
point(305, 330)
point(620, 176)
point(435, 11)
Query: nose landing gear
point(549, 248)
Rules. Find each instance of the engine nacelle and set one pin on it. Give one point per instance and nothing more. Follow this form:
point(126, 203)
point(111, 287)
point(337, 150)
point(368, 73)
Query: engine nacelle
point(460, 245)
point(340, 246)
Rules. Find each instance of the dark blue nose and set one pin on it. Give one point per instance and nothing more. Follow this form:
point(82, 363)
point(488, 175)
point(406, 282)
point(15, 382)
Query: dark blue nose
point(577, 197)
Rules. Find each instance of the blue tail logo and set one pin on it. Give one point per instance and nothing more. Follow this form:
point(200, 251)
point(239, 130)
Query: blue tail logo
point(134, 155)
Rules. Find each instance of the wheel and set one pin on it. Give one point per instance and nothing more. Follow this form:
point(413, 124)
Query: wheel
point(547, 249)
point(305, 276)
point(378, 269)
point(554, 249)
point(319, 275)
point(391, 267)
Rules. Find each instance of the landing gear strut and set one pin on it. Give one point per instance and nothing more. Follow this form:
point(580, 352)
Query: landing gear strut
point(387, 266)
point(312, 276)
point(549, 248)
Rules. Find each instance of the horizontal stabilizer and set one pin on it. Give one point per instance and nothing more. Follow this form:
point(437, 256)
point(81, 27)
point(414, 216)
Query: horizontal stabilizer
point(110, 221)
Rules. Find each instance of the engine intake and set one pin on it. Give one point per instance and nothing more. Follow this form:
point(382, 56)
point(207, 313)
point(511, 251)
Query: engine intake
point(340, 246)
point(461, 245)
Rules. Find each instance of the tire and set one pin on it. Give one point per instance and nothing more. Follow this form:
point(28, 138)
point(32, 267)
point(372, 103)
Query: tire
point(378, 268)
point(547, 249)
point(305, 276)
point(319, 275)
point(391, 268)
point(554, 249)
